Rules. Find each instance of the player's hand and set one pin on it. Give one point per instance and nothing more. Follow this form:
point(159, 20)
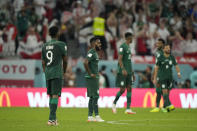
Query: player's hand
point(93, 75)
point(179, 75)
point(133, 77)
point(124, 72)
point(155, 81)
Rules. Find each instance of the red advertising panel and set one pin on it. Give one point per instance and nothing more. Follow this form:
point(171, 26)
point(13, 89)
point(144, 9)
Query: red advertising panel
point(76, 97)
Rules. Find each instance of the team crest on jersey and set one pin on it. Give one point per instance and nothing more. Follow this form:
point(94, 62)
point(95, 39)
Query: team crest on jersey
point(122, 83)
point(121, 49)
point(158, 55)
point(89, 55)
point(170, 62)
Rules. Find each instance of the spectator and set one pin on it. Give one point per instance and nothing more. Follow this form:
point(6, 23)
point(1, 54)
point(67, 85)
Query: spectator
point(69, 78)
point(30, 48)
point(22, 22)
point(84, 34)
point(103, 78)
point(39, 8)
point(9, 46)
point(80, 79)
point(145, 78)
point(163, 31)
point(177, 47)
point(33, 17)
point(193, 78)
point(187, 84)
point(176, 22)
point(190, 46)
point(141, 38)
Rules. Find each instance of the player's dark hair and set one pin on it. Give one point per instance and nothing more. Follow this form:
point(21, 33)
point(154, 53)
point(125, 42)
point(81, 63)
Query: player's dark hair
point(162, 41)
point(128, 34)
point(53, 31)
point(166, 45)
point(93, 39)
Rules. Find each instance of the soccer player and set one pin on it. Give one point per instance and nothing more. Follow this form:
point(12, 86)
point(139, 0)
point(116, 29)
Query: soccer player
point(163, 75)
point(54, 53)
point(92, 79)
point(160, 43)
point(125, 75)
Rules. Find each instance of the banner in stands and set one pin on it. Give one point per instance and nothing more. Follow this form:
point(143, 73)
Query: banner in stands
point(15, 73)
point(76, 97)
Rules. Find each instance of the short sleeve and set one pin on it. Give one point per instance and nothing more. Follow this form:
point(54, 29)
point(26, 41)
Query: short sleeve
point(90, 56)
point(158, 61)
point(174, 60)
point(43, 54)
point(63, 48)
point(121, 50)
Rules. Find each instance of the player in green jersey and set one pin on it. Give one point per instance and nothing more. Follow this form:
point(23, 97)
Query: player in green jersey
point(92, 79)
point(54, 53)
point(163, 75)
point(160, 43)
point(125, 75)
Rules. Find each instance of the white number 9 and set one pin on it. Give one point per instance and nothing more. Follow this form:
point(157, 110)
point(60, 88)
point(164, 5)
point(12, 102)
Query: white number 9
point(49, 57)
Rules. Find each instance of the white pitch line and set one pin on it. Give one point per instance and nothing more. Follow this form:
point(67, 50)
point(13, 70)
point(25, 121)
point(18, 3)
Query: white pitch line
point(124, 122)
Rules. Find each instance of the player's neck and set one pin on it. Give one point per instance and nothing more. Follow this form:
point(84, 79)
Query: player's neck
point(166, 55)
point(55, 38)
point(127, 43)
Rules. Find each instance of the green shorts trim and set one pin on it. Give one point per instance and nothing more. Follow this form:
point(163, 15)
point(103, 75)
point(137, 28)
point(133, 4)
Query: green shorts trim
point(54, 86)
point(92, 85)
point(122, 81)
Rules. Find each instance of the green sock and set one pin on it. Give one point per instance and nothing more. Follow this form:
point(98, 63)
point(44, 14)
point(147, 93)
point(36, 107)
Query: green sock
point(128, 100)
point(50, 107)
point(158, 98)
point(50, 102)
point(90, 106)
point(169, 102)
point(117, 97)
point(95, 106)
point(53, 108)
point(166, 100)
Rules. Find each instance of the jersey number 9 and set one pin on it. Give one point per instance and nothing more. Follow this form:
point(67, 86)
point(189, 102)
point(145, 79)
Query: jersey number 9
point(49, 57)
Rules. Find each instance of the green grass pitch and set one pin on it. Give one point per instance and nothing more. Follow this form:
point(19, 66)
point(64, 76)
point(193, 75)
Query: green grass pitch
point(75, 119)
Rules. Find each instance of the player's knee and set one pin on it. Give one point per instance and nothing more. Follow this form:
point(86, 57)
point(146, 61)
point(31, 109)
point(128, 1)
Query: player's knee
point(122, 90)
point(129, 89)
point(55, 96)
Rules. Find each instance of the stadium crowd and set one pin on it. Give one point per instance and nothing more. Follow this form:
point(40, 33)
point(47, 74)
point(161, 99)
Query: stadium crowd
point(24, 26)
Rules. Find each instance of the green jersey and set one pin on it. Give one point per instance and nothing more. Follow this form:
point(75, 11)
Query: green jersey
point(158, 53)
point(93, 60)
point(165, 65)
point(52, 53)
point(125, 51)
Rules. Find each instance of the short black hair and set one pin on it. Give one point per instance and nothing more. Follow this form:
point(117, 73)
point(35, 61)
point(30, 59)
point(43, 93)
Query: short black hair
point(53, 31)
point(128, 34)
point(93, 39)
point(162, 41)
point(167, 45)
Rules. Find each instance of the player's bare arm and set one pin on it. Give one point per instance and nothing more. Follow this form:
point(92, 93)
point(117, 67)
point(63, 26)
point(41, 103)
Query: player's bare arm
point(88, 69)
point(178, 71)
point(124, 72)
point(152, 76)
point(155, 75)
point(43, 65)
point(65, 63)
point(133, 76)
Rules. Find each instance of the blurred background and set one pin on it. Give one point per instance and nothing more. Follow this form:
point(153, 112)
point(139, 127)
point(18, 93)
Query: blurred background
point(24, 28)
